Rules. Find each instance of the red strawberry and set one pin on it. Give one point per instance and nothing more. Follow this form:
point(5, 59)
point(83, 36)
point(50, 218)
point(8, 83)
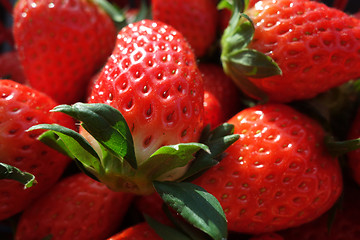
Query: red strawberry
point(213, 113)
point(141, 231)
point(223, 88)
point(152, 78)
point(10, 67)
point(61, 44)
point(277, 175)
point(78, 207)
point(20, 108)
point(196, 20)
point(315, 47)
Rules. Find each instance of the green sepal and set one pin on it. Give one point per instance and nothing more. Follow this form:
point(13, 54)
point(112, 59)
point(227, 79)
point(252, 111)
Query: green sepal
point(188, 229)
point(217, 140)
point(228, 4)
point(70, 142)
point(168, 158)
point(196, 206)
point(107, 125)
point(164, 231)
point(10, 172)
point(338, 148)
point(240, 62)
point(116, 14)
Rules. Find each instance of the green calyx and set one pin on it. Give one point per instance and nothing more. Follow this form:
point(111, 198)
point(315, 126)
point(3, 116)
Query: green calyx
point(239, 61)
point(105, 150)
point(10, 172)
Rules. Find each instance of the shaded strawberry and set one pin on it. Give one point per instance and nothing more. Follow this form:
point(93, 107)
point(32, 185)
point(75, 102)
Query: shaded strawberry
point(78, 207)
point(61, 44)
point(196, 20)
point(20, 108)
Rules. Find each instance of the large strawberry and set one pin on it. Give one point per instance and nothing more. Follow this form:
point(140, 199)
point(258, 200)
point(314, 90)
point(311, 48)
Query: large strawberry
point(78, 207)
point(277, 175)
point(196, 20)
point(312, 48)
point(20, 108)
point(61, 44)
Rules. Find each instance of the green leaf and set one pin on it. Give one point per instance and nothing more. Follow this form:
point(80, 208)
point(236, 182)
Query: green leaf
point(218, 141)
point(116, 14)
point(107, 125)
point(71, 142)
point(252, 63)
point(238, 38)
point(198, 207)
point(170, 157)
point(164, 231)
point(13, 173)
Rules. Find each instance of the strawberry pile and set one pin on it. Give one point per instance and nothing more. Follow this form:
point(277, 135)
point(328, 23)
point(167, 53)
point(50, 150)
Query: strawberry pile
point(179, 119)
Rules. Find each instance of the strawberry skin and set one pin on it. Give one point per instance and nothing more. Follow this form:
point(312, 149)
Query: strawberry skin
point(78, 207)
point(196, 20)
point(10, 67)
point(61, 44)
point(152, 78)
point(277, 175)
point(20, 108)
point(140, 231)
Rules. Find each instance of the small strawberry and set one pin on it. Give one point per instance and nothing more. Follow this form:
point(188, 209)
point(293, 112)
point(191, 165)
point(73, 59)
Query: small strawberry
point(277, 175)
point(213, 113)
point(77, 207)
point(20, 108)
point(217, 83)
point(294, 50)
point(140, 231)
point(11, 68)
point(61, 44)
point(196, 20)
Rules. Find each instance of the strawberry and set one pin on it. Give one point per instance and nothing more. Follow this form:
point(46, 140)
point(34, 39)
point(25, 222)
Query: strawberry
point(77, 207)
point(196, 20)
point(61, 44)
point(140, 231)
point(277, 175)
point(10, 67)
point(20, 108)
point(213, 113)
point(295, 50)
point(217, 83)
point(152, 78)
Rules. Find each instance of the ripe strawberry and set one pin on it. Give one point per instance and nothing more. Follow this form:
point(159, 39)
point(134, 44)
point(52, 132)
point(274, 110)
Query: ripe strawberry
point(223, 88)
point(196, 20)
point(61, 44)
point(140, 231)
point(152, 78)
point(78, 207)
point(277, 175)
point(213, 113)
point(20, 108)
point(315, 47)
point(10, 67)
